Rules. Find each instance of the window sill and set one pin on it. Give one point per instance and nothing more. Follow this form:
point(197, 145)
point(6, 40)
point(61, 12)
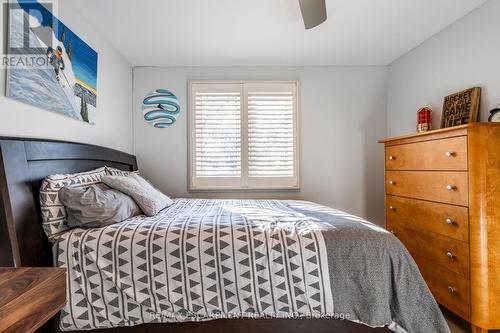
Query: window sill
point(244, 189)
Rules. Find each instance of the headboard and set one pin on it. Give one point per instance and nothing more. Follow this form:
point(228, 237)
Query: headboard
point(24, 163)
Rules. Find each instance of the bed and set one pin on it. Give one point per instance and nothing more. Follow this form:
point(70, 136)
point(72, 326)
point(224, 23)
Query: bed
point(203, 259)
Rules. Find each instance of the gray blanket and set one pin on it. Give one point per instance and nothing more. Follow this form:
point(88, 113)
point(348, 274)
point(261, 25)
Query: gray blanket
point(373, 277)
point(204, 259)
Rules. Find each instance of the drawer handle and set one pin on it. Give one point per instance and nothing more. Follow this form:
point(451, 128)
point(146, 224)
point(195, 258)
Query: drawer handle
point(392, 208)
point(449, 255)
point(392, 158)
point(450, 221)
point(449, 154)
point(392, 182)
point(451, 290)
point(450, 187)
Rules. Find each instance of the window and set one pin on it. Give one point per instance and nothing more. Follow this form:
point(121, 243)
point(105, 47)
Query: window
point(243, 135)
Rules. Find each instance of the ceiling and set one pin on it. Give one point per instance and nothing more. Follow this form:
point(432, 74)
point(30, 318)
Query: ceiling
point(267, 32)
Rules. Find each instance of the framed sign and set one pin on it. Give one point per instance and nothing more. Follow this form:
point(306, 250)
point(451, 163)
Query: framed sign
point(461, 108)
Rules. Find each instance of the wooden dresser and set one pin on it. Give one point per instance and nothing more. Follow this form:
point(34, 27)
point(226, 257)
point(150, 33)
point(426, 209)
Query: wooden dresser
point(443, 202)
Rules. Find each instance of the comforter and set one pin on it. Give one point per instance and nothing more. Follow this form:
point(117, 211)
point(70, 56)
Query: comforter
point(203, 259)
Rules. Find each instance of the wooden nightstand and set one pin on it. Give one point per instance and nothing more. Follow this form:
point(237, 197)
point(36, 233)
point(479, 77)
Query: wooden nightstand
point(30, 296)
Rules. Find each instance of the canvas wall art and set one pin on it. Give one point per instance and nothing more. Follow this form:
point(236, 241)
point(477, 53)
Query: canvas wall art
point(160, 108)
point(62, 73)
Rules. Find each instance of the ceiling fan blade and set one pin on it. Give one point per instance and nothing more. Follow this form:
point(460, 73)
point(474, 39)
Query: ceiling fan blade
point(313, 12)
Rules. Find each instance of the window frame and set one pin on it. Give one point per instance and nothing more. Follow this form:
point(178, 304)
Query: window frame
point(244, 182)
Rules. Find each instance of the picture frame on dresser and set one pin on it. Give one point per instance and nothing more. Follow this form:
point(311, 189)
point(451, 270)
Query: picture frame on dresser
point(441, 197)
point(461, 108)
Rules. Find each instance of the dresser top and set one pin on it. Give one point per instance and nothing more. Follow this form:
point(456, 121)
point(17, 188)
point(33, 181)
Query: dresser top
point(439, 133)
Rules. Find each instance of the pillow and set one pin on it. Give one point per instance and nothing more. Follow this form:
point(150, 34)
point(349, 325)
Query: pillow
point(117, 172)
point(52, 209)
point(149, 199)
point(96, 206)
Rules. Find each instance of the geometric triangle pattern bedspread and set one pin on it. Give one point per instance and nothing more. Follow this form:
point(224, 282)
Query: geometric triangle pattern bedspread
point(199, 259)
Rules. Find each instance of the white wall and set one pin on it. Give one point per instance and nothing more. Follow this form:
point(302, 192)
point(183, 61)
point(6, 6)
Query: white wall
point(342, 117)
point(464, 55)
point(114, 89)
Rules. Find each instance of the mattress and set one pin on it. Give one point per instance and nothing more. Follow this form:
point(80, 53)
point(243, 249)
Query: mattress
point(203, 259)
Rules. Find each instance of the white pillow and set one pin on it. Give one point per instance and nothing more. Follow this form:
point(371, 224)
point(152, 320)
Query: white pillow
point(117, 172)
point(149, 199)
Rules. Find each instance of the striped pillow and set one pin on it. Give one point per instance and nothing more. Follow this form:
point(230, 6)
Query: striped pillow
point(53, 211)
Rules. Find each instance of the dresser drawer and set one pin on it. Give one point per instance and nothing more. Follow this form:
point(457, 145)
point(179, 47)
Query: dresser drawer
point(440, 250)
point(447, 187)
point(447, 220)
point(443, 154)
point(449, 289)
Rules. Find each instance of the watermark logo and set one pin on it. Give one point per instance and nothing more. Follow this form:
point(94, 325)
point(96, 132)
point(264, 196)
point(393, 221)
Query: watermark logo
point(30, 35)
point(184, 315)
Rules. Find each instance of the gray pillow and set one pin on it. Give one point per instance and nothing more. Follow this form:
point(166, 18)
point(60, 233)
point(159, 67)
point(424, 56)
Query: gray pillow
point(53, 212)
point(96, 206)
point(149, 199)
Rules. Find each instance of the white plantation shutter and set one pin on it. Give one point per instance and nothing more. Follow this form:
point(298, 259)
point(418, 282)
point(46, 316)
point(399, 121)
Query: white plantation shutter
point(243, 135)
point(271, 130)
point(218, 142)
point(216, 135)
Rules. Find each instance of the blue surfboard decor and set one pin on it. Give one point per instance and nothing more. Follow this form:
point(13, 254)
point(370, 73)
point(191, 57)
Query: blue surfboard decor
point(160, 108)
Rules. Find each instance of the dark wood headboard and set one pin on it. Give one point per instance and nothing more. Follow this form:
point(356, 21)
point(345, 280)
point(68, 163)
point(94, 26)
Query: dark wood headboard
point(24, 163)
